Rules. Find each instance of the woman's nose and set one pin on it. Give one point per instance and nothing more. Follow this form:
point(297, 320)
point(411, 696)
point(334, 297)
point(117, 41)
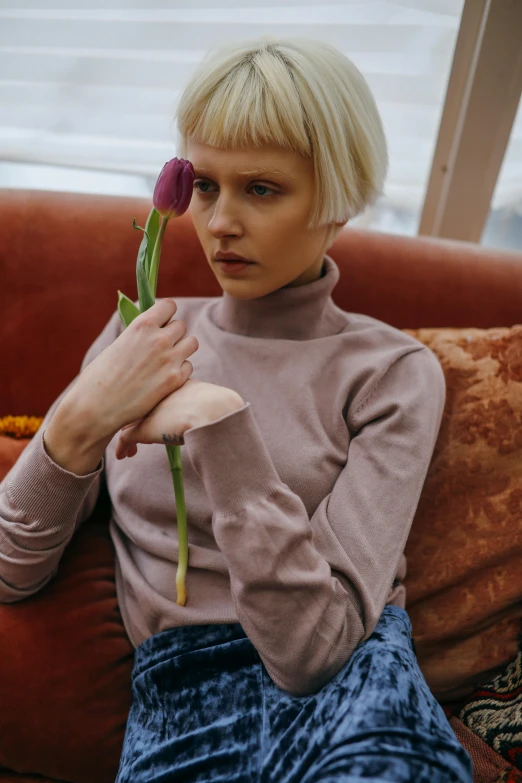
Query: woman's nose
point(224, 219)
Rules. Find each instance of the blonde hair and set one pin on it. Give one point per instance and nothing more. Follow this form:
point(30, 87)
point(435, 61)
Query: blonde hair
point(301, 94)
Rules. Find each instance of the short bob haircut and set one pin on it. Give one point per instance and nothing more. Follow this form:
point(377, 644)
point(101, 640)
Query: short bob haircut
point(301, 94)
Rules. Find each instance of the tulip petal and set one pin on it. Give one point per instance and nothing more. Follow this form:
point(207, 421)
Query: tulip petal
point(187, 189)
point(173, 189)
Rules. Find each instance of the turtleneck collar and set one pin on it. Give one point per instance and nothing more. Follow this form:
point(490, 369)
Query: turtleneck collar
point(301, 313)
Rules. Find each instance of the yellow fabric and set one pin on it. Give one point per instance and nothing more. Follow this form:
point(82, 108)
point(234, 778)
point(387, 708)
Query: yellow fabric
point(20, 426)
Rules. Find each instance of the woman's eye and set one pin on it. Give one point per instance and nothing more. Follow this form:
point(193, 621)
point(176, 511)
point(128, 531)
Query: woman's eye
point(264, 187)
point(198, 183)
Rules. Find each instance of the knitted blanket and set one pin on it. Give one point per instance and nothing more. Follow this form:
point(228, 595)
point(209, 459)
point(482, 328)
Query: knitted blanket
point(489, 726)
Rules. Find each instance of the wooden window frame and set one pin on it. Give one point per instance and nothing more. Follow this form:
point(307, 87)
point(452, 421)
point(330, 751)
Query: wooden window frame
point(480, 107)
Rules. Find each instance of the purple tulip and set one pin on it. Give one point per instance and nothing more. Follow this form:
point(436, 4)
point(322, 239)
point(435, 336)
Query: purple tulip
point(173, 189)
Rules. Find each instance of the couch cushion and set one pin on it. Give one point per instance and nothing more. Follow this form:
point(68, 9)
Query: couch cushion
point(6, 776)
point(65, 662)
point(10, 450)
point(464, 591)
point(488, 766)
point(464, 594)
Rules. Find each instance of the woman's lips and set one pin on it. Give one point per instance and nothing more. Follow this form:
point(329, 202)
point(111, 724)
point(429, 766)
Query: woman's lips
point(233, 267)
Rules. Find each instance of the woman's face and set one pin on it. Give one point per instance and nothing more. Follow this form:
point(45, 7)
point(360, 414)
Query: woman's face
point(241, 205)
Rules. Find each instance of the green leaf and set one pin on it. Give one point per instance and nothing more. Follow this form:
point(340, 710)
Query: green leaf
point(145, 239)
point(152, 228)
point(127, 309)
point(144, 293)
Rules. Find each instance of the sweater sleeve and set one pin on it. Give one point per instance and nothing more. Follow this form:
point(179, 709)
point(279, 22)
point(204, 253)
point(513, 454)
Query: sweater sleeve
point(306, 610)
point(42, 504)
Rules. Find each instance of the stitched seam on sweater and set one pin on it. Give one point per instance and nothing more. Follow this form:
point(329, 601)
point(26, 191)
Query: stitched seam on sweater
point(372, 391)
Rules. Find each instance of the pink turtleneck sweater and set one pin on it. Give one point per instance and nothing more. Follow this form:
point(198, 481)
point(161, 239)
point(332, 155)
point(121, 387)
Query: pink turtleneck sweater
point(299, 504)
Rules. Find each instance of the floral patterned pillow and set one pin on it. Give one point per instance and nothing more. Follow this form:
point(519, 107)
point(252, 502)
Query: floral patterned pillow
point(464, 580)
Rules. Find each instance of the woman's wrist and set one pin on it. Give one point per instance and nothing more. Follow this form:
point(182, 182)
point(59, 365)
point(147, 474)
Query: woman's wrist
point(72, 443)
point(217, 411)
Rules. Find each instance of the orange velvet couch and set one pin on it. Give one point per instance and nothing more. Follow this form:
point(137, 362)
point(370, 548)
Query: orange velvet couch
point(65, 659)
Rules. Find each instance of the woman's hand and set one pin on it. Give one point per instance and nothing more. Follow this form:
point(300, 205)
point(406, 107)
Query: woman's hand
point(192, 405)
point(146, 363)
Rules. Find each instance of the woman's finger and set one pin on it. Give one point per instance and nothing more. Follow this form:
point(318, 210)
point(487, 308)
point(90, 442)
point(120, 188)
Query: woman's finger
point(132, 424)
point(124, 449)
point(130, 435)
point(128, 438)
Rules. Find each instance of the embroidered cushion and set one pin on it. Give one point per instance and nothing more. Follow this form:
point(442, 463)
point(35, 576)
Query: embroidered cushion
point(464, 553)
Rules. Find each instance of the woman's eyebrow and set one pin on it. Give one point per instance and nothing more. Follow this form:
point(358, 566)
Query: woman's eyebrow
point(274, 172)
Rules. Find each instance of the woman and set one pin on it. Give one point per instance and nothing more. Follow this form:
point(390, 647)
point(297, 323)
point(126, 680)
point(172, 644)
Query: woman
point(307, 432)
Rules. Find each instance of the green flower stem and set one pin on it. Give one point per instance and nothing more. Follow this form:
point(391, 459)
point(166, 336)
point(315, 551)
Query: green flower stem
point(174, 455)
point(147, 279)
point(154, 263)
point(173, 452)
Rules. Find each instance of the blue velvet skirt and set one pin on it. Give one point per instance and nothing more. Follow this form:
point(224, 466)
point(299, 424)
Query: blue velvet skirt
point(205, 709)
